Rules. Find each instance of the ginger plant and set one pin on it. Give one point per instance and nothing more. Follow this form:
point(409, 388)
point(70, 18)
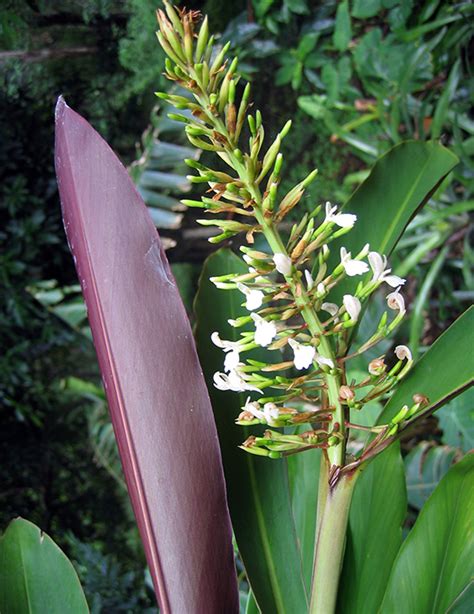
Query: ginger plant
point(287, 292)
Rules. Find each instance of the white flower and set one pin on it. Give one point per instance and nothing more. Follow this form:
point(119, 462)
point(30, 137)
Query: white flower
point(265, 331)
point(344, 220)
point(254, 297)
point(352, 305)
point(321, 360)
point(331, 308)
point(396, 301)
point(309, 279)
point(378, 264)
point(227, 346)
point(402, 352)
point(283, 263)
point(352, 267)
point(233, 381)
point(269, 414)
point(320, 290)
point(253, 407)
point(231, 361)
point(303, 354)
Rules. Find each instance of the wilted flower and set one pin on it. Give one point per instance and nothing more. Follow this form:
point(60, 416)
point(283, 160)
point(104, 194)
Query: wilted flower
point(265, 331)
point(283, 263)
point(303, 354)
point(344, 220)
point(331, 308)
point(352, 267)
point(322, 360)
point(377, 366)
point(380, 273)
point(402, 352)
point(254, 297)
point(346, 393)
point(352, 305)
point(396, 301)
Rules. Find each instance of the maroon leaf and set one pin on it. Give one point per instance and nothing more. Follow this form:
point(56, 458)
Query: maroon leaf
point(157, 396)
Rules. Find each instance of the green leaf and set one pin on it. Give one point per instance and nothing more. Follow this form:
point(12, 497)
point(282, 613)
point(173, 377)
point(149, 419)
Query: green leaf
point(434, 566)
point(36, 576)
point(456, 419)
point(399, 184)
point(449, 91)
point(342, 30)
point(377, 513)
point(303, 470)
point(425, 465)
point(442, 373)
point(257, 488)
point(366, 8)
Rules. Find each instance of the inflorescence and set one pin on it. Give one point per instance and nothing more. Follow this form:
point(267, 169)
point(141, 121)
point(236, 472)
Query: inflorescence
point(287, 289)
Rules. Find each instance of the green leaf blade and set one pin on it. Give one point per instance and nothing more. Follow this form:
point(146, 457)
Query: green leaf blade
point(377, 513)
point(434, 566)
point(36, 576)
point(399, 184)
point(442, 373)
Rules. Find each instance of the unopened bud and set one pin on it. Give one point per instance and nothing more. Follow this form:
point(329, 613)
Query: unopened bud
point(377, 366)
point(346, 393)
point(420, 399)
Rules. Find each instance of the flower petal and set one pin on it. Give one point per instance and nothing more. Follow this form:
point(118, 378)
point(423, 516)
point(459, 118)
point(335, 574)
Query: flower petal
point(283, 263)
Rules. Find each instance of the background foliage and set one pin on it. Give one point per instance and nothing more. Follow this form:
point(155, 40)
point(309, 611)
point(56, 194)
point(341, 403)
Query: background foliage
point(363, 76)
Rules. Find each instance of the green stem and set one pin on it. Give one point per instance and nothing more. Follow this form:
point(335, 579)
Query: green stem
point(336, 453)
point(330, 546)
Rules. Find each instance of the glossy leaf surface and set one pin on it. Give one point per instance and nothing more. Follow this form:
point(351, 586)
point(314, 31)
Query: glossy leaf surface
point(377, 514)
point(433, 570)
point(425, 465)
point(456, 419)
point(303, 472)
point(156, 392)
point(442, 373)
point(36, 576)
point(398, 185)
point(258, 489)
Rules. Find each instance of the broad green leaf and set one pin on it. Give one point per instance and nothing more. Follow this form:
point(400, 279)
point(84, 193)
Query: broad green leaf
point(36, 576)
point(342, 31)
point(442, 373)
point(399, 184)
point(303, 470)
point(435, 564)
point(378, 510)
point(425, 465)
point(456, 419)
point(366, 8)
point(257, 488)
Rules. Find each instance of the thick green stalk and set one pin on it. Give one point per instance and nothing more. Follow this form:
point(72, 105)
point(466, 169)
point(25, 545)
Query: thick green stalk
point(330, 543)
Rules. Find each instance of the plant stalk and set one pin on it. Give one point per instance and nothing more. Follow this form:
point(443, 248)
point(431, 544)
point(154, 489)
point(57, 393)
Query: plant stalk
point(330, 544)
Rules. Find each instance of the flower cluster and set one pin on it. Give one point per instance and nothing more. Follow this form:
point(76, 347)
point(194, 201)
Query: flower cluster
point(296, 318)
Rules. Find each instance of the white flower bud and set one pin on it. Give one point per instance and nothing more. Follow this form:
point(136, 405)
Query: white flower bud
point(352, 305)
point(283, 263)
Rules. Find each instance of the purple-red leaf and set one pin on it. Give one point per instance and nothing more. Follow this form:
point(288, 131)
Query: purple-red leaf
point(157, 396)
